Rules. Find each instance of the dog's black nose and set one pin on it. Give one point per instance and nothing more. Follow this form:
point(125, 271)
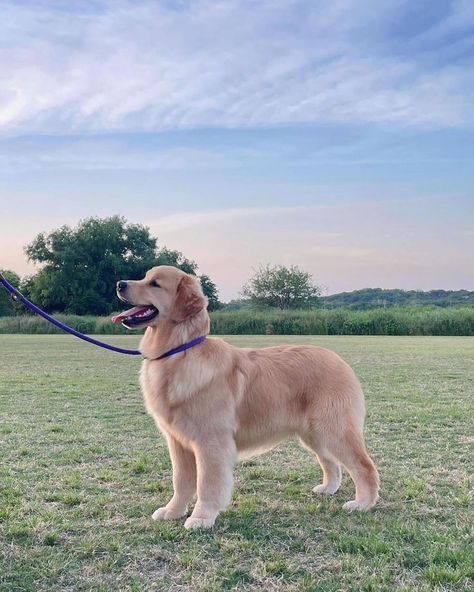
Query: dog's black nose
point(121, 286)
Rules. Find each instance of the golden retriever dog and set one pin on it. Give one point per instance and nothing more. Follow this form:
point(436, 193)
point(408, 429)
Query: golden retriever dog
point(216, 403)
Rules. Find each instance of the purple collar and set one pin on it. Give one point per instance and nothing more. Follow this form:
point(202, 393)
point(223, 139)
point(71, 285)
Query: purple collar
point(180, 348)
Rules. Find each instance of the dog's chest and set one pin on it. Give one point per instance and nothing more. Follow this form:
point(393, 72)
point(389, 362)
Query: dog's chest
point(155, 388)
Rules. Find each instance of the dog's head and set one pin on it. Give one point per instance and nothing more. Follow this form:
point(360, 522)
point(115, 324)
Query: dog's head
point(165, 292)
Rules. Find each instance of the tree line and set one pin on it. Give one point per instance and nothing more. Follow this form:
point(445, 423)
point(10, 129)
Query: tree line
point(370, 298)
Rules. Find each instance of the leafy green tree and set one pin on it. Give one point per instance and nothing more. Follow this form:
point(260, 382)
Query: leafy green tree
point(81, 265)
point(282, 287)
point(210, 290)
point(7, 305)
point(175, 258)
point(235, 305)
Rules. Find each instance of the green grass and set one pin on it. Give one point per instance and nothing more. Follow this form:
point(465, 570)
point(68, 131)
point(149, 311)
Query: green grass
point(83, 468)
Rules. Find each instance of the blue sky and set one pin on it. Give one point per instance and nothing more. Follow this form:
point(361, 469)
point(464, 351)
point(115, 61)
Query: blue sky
point(337, 136)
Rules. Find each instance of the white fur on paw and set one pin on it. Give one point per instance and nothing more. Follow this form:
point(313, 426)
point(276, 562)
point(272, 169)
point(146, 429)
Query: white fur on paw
point(325, 489)
point(166, 514)
point(354, 506)
point(194, 523)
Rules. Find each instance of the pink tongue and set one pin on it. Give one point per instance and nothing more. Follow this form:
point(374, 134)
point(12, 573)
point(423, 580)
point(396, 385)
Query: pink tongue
point(131, 312)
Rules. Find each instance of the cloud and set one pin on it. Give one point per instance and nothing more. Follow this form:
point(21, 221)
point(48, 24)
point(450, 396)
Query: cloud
point(97, 154)
point(106, 66)
point(225, 154)
point(186, 220)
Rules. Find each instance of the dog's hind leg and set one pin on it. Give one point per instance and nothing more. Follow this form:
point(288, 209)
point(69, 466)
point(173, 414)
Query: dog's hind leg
point(331, 467)
point(351, 451)
point(184, 482)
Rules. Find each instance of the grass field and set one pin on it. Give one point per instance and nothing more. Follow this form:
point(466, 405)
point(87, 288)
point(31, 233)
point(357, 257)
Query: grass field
point(83, 468)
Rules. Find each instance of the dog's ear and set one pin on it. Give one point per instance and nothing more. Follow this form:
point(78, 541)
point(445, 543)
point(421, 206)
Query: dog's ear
point(189, 299)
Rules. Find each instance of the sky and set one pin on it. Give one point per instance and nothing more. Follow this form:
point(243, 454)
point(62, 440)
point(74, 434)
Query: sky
point(337, 136)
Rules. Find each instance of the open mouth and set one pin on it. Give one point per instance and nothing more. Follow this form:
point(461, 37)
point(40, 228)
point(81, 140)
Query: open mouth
point(138, 315)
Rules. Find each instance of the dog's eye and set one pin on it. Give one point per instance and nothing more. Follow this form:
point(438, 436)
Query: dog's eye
point(155, 284)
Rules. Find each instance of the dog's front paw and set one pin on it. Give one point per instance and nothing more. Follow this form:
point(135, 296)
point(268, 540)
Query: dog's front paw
point(325, 489)
point(358, 506)
point(194, 523)
point(167, 514)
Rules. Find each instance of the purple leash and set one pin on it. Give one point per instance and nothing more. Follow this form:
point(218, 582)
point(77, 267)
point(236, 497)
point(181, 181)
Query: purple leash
point(18, 297)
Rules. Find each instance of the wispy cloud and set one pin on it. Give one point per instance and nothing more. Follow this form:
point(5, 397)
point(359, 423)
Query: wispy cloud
point(200, 219)
point(156, 65)
point(120, 153)
point(110, 155)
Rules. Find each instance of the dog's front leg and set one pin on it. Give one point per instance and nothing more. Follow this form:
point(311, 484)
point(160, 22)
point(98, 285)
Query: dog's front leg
point(215, 461)
point(184, 482)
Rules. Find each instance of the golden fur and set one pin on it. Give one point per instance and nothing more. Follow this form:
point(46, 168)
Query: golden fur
point(215, 403)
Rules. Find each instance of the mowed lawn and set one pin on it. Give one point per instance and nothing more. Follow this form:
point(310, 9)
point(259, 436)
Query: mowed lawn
point(83, 468)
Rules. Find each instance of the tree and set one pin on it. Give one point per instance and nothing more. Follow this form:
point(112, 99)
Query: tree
point(210, 290)
point(7, 306)
point(282, 287)
point(175, 258)
point(83, 264)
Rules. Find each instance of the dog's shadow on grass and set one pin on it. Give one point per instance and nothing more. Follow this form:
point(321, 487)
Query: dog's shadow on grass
point(314, 517)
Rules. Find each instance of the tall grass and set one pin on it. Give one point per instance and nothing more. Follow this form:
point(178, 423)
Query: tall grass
point(36, 325)
point(393, 321)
